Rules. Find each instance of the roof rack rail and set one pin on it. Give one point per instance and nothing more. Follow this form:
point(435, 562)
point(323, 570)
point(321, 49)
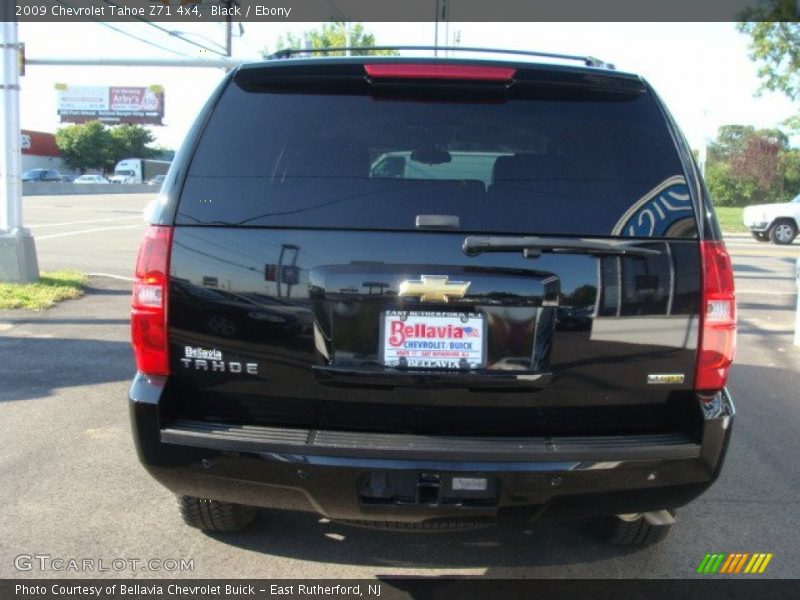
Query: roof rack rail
point(589, 61)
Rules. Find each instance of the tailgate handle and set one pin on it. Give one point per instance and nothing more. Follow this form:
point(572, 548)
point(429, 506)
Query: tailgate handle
point(438, 222)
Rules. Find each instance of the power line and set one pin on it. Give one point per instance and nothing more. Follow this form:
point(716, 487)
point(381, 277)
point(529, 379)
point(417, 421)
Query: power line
point(135, 61)
point(144, 41)
point(123, 32)
point(167, 31)
point(336, 9)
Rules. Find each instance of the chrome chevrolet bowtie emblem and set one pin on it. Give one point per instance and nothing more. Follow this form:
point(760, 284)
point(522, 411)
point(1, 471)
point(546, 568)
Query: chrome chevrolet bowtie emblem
point(434, 288)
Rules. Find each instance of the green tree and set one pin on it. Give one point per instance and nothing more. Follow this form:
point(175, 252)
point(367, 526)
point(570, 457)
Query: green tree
point(92, 145)
point(131, 141)
point(774, 33)
point(775, 45)
point(726, 187)
point(793, 124)
point(333, 35)
point(582, 296)
point(85, 146)
point(750, 166)
point(790, 167)
point(731, 141)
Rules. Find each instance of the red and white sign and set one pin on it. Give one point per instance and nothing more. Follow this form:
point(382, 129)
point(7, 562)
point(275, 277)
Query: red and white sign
point(433, 340)
point(132, 99)
point(141, 105)
point(38, 143)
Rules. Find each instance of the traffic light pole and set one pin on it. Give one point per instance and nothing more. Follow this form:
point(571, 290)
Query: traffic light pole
point(17, 249)
point(18, 261)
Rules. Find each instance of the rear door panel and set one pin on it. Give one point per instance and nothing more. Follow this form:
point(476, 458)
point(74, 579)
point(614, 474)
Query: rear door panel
point(613, 322)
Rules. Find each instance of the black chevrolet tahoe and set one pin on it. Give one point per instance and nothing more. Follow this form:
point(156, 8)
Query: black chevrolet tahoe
point(424, 293)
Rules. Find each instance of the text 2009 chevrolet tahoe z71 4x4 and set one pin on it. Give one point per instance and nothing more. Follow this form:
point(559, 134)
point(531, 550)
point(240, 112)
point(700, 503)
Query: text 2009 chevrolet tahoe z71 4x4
point(418, 293)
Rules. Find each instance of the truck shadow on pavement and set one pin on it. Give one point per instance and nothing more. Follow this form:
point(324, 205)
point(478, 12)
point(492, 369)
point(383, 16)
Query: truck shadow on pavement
point(69, 321)
point(551, 540)
point(33, 367)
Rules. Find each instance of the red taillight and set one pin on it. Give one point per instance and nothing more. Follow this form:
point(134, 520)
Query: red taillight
point(149, 302)
point(432, 71)
point(717, 319)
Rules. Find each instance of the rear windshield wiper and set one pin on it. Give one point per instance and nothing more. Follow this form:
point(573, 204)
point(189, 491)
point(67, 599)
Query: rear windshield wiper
point(533, 246)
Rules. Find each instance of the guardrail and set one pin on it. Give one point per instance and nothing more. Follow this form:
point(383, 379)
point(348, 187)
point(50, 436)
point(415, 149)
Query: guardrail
point(41, 188)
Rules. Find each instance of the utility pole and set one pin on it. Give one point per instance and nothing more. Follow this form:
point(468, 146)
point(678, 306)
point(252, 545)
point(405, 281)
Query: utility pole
point(447, 29)
point(436, 31)
point(228, 29)
point(707, 137)
point(17, 249)
point(445, 17)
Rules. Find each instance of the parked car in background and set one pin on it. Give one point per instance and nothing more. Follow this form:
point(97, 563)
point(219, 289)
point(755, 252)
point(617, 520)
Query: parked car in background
point(93, 179)
point(157, 180)
point(41, 175)
point(776, 223)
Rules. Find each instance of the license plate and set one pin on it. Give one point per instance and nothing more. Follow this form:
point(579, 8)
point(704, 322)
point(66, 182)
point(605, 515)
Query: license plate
point(433, 340)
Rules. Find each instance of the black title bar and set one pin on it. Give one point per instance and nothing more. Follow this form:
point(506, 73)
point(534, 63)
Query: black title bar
point(390, 588)
point(189, 11)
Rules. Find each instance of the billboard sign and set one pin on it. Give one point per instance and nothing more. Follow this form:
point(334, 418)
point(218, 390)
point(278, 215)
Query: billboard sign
point(113, 105)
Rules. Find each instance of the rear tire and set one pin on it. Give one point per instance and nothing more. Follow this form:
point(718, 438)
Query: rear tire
point(212, 515)
point(760, 236)
point(783, 232)
point(631, 530)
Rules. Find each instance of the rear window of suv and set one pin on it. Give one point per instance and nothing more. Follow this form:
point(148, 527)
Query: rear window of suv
point(561, 162)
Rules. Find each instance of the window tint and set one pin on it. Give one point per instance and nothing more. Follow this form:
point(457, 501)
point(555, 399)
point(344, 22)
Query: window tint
point(580, 165)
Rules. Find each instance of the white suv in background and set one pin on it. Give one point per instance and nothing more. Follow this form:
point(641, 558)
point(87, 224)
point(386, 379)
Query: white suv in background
point(777, 223)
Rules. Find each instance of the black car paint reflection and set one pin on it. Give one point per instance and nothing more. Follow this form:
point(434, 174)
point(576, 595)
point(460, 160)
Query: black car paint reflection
point(228, 314)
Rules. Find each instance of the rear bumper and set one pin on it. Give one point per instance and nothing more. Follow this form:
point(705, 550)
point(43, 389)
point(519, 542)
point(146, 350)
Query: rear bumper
point(359, 476)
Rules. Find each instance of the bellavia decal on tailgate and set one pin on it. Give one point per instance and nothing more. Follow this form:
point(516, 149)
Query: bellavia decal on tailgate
point(200, 359)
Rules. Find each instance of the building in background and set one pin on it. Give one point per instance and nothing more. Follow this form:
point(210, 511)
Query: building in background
point(39, 151)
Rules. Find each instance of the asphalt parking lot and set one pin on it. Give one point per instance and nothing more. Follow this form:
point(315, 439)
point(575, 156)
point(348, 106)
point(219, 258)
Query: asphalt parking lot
point(74, 488)
point(92, 233)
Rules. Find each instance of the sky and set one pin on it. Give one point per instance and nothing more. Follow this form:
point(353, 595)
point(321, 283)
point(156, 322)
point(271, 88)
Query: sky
point(701, 70)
